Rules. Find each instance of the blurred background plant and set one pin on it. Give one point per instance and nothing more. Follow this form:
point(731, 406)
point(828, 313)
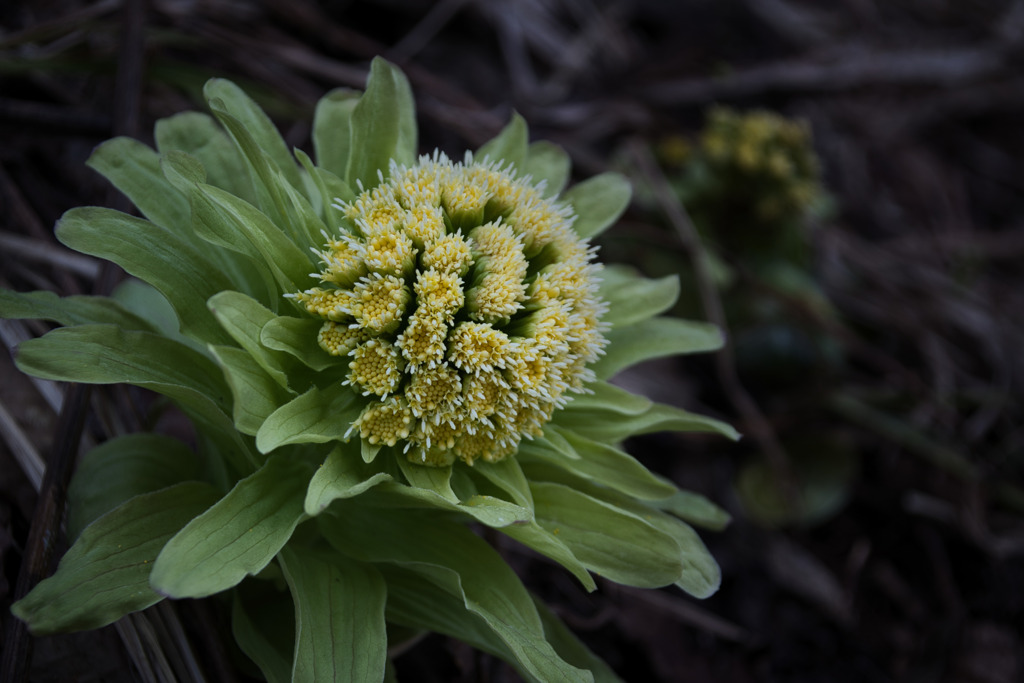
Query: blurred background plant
point(896, 311)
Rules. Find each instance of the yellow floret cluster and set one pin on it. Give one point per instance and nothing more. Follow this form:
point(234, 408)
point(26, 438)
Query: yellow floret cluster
point(770, 155)
point(464, 306)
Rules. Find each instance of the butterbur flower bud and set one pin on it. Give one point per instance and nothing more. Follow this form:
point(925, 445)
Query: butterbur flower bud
point(446, 363)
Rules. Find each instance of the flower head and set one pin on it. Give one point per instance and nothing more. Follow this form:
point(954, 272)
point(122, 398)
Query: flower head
point(472, 308)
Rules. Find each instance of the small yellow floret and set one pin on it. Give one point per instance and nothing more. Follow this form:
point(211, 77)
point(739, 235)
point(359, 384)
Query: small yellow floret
point(439, 294)
point(330, 304)
point(376, 368)
point(435, 394)
point(450, 253)
point(378, 302)
point(389, 251)
point(473, 347)
point(386, 422)
point(338, 340)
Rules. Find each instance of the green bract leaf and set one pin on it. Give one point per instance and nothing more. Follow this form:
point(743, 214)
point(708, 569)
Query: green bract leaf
point(699, 574)
point(198, 135)
point(695, 509)
point(457, 561)
point(329, 188)
point(228, 221)
point(533, 535)
point(105, 574)
point(70, 310)
point(550, 163)
point(244, 318)
point(104, 354)
point(609, 397)
point(332, 129)
point(436, 480)
point(123, 468)
point(612, 427)
point(142, 299)
point(256, 394)
point(605, 465)
point(489, 510)
point(383, 126)
point(317, 416)
point(238, 536)
point(134, 169)
point(655, 338)
point(598, 202)
point(225, 96)
point(608, 540)
point(162, 258)
point(343, 475)
point(339, 614)
point(415, 602)
point(509, 146)
point(278, 190)
point(297, 336)
point(632, 298)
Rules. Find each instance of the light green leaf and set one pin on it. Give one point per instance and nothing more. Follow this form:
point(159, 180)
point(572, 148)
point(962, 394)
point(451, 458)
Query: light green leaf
point(328, 187)
point(225, 96)
point(134, 169)
point(434, 479)
point(548, 162)
point(655, 338)
point(104, 354)
point(342, 475)
point(228, 221)
point(490, 510)
point(606, 396)
point(263, 624)
point(701, 576)
point(508, 146)
point(608, 540)
point(368, 451)
point(238, 536)
point(256, 394)
point(632, 298)
point(598, 202)
point(298, 337)
point(279, 194)
point(604, 465)
point(699, 573)
point(455, 560)
point(243, 318)
point(143, 300)
point(383, 126)
point(239, 264)
point(415, 602)
point(332, 129)
point(507, 475)
point(612, 427)
point(695, 509)
point(123, 468)
point(151, 253)
point(105, 574)
point(70, 310)
point(198, 135)
point(317, 416)
point(533, 535)
point(339, 615)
